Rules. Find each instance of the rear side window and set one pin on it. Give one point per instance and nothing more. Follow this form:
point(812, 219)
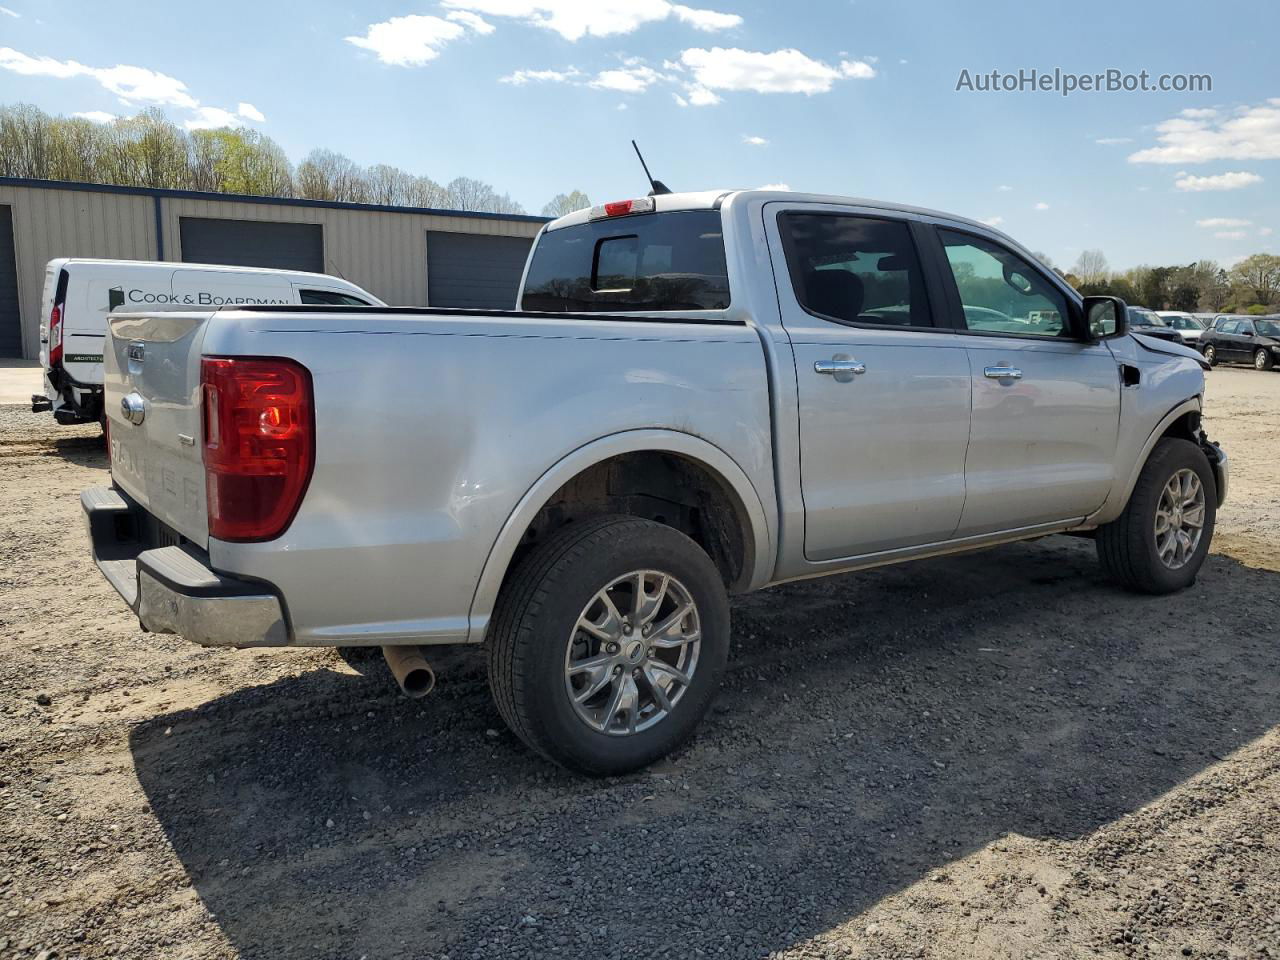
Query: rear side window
point(60, 291)
point(663, 261)
point(331, 297)
point(855, 269)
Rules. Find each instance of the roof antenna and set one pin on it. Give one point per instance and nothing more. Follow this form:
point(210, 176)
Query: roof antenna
point(657, 186)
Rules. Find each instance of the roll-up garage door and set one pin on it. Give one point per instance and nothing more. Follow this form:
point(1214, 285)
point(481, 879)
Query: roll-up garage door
point(474, 270)
point(10, 322)
point(253, 243)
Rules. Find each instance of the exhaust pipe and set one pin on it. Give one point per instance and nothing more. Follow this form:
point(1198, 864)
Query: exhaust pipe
point(411, 670)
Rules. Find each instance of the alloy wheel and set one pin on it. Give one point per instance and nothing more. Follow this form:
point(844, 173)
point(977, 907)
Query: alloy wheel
point(632, 653)
point(1179, 521)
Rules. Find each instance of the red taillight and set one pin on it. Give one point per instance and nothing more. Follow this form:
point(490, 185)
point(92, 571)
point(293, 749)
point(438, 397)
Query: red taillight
point(259, 444)
point(617, 208)
point(55, 336)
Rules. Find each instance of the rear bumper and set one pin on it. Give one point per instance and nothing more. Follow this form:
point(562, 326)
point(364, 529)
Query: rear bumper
point(69, 400)
point(171, 588)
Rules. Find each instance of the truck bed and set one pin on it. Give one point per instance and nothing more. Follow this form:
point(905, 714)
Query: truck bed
point(430, 427)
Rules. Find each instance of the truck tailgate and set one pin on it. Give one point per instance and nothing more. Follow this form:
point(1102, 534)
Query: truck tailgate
point(152, 382)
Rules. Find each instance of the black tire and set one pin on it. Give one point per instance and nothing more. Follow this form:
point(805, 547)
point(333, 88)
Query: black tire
point(542, 600)
point(1127, 545)
point(1262, 359)
point(1210, 354)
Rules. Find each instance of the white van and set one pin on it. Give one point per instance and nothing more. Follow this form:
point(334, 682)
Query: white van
point(78, 295)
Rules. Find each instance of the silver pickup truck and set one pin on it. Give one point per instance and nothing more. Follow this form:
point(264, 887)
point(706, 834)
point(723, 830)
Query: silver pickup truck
point(700, 394)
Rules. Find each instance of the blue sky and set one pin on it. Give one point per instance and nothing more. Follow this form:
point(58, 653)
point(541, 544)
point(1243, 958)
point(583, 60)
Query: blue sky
point(858, 98)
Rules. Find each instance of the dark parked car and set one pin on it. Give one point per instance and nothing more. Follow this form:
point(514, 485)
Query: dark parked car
point(1151, 324)
point(1254, 340)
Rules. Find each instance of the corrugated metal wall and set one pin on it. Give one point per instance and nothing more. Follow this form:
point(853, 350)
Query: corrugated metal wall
point(386, 253)
point(70, 223)
point(383, 251)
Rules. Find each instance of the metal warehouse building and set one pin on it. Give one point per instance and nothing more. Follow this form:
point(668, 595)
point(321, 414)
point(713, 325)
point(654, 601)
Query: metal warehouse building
point(405, 255)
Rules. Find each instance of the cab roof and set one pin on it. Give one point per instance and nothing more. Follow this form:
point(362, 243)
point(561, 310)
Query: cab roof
point(713, 199)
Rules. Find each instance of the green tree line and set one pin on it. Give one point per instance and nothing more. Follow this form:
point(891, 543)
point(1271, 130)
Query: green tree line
point(149, 150)
point(1250, 286)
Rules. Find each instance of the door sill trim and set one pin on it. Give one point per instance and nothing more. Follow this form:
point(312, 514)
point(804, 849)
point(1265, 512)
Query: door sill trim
point(822, 568)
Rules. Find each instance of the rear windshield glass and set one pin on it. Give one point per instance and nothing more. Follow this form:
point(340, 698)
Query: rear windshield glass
point(664, 261)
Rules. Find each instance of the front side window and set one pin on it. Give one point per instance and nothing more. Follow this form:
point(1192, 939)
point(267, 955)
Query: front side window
point(331, 297)
point(649, 261)
point(1000, 292)
point(855, 269)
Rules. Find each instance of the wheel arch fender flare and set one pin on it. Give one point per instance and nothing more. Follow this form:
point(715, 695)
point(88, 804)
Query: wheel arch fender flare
point(1120, 496)
point(758, 536)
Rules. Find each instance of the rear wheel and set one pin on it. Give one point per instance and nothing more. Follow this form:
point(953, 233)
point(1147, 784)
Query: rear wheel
point(1262, 359)
point(1211, 354)
point(1160, 541)
point(608, 644)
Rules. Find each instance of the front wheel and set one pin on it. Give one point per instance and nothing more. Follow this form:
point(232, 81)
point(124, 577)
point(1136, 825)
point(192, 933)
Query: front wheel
point(1262, 359)
point(1158, 544)
point(1210, 354)
point(608, 644)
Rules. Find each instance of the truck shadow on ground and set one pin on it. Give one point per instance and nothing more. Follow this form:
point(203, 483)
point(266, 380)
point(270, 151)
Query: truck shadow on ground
point(87, 449)
point(873, 727)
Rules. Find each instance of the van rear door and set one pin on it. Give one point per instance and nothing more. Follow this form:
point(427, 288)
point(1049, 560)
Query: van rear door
point(53, 276)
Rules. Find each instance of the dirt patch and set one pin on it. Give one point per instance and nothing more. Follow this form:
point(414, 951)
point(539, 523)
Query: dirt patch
point(994, 755)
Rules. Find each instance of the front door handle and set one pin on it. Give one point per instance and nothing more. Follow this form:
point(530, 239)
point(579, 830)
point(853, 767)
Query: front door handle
point(1002, 373)
point(842, 366)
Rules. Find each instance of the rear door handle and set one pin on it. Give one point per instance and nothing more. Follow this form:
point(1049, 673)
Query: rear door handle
point(842, 366)
point(1002, 373)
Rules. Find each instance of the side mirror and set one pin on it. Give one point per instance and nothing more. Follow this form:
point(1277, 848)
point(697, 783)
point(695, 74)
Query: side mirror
point(1106, 317)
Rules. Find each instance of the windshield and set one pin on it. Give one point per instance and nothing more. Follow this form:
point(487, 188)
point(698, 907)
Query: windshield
point(1184, 323)
point(1268, 328)
point(663, 261)
point(1145, 318)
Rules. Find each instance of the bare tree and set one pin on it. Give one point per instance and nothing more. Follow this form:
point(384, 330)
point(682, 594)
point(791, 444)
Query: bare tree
point(425, 192)
point(468, 194)
point(387, 185)
point(562, 203)
point(325, 175)
point(503, 203)
point(25, 132)
point(150, 150)
point(1091, 267)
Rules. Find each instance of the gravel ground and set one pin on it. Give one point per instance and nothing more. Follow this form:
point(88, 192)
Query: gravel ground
point(994, 755)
